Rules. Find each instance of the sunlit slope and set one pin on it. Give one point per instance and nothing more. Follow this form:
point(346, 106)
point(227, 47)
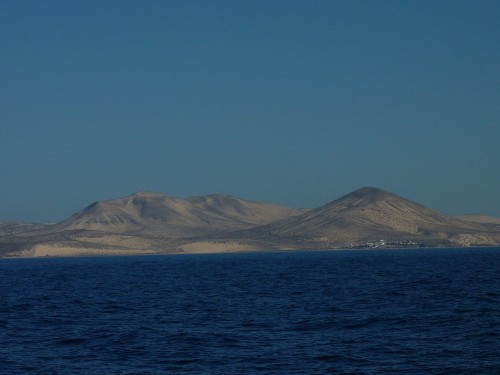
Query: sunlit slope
point(152, 223)
point(369, 214)
point(160, 215)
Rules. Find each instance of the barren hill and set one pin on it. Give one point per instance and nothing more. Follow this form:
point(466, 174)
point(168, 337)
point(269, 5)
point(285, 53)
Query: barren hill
point(160, 215)
point(152, 223)
point(371, 214)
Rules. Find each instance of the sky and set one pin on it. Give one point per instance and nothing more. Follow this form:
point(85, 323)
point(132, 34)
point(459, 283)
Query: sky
point(292, 102)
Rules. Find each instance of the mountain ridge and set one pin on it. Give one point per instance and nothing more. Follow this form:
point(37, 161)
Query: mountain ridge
point(368, 214)
point(150, 222)
point(156, 214)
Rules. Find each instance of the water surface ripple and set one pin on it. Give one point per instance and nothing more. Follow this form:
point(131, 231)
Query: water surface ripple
point(342, 312)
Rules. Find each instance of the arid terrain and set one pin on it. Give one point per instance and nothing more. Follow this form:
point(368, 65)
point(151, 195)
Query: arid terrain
point(154, 223)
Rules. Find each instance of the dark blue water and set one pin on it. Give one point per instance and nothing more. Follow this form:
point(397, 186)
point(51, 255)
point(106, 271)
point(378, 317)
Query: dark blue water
point(405, 311)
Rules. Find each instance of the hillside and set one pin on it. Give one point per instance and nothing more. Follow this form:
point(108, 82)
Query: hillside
point(160, 215)
point(371, 214)
point(152, 223)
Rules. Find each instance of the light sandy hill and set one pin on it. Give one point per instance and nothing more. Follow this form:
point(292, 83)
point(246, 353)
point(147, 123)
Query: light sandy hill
point(227, 246)
point(152, 223)
point(76, 248)
point(370, 214)
point(160, 215)
point(483, 219)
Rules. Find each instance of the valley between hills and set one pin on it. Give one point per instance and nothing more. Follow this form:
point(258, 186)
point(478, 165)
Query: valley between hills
point(155, 223)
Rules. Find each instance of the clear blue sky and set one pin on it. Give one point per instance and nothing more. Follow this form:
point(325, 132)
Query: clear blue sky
point(293, 102)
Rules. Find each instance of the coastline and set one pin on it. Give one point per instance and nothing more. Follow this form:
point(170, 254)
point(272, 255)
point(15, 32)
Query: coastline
point(200, 248)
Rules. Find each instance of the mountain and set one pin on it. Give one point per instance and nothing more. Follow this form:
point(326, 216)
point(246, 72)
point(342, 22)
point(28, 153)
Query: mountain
point(146, 222)
point(371, 214)
point(160, 215)
point(153, 223)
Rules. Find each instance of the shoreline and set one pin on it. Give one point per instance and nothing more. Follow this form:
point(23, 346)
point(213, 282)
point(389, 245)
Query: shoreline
point(45, 253)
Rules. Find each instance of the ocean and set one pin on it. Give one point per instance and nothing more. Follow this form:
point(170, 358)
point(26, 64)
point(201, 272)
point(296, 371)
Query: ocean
point(429, 311)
